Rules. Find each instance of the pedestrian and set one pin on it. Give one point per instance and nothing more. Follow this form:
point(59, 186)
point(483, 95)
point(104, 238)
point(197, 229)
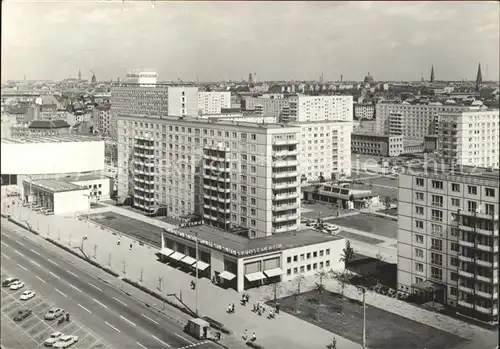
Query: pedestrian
point(245, 335)
point(277, 308)
point(254, 337)
point(232, 307)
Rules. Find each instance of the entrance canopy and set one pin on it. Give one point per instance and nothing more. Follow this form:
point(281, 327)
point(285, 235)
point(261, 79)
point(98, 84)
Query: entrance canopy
point(273, 272)
point(177, 256)
point(426, 286)
point(166, 251)
point(201, 265)
point(227, 275)
point(188, 260)
point(255, 276)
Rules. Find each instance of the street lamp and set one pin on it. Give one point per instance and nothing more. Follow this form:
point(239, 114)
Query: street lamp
point(363, 291)
point(95, 251)
point(196, 285)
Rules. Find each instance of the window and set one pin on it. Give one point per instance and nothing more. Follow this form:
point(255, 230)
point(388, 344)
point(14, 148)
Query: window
point(288, 271)
point(437, 200)
point(302, 269)
point(327, 264)
point(295, 270)
point(419, 253)
point(436, 229)
point(437, 215)
point(490, 192)
point(490, 209)
point(453, 231)
point(295, 258)
point(327, 251)
point(419, 267)
point(308, 255)
point(437, 184)
point(315, 254)
point(454, 246)
point(455, 202)
point(436, 258)
point(289, 259)
point(309, 267)
point(419, 182)
point(472, 189)
point(454, 261)
point(436, 273)
point(302, 257)
point(419, 210)
point(455, 187)
point(418, 280)
point(453, 291)
point(436, 244)
point(453, 276)
point(419, 224)
point(419, 196)
point(321, 253)
point(419, 238)
point(471, 206)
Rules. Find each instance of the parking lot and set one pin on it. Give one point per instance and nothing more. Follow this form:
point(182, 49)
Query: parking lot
point(34, 330)
point(381, 226)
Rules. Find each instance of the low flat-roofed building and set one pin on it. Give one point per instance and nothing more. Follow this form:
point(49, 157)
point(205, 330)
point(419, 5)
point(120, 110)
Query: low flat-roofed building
point(431, 143)
point(412, 147)
point(241, 263)
point(376, 144)
point(342, 196)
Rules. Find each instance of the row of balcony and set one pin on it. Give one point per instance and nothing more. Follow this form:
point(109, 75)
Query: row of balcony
point(144, 155)
point(478, 261)
point(144, 146)
point(482, 215)
point(285, 196)
point(284, 229)
point(480, 247)
point(286, 152)
point(215, 158)
point(285, 141)
point(283, 207)
point(225, 219)
point(481, 231)
point(478, 293)
point(286, 217)
point(285, 163)
point(144, 207)
point(284, 185)
point(214, 167)
point(217, 208)
point(144, 172)
point(217, 178)
point(216, 188)
point(147, 180)
point(492, 311)
point(144, 189)
point(285, 174)
point(141, 163)
point(145, 198)
point(469, 275)
point(216, 198)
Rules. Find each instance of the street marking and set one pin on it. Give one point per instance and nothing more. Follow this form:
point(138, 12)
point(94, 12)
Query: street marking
point(159, 340)
point(113, 327)
point(76, 288)
point(119, 301)
point(19, 253)
point(147, 317)
point(139, 344)
point(51, 261)
point(20, 266)
point(94, 286)
point(32, 250)
point(3, 254)
point(35, 263)
point(72, 273)
point(54, 275)
point(187, 340)
point(102, 305)
point(42, 280)
point(60, 292)
point(20, 243)
point(130, 322)
point(3, 243)
point(81, 306)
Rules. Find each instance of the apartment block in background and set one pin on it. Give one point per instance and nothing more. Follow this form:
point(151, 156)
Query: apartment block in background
point(448, 237)
point(212, 102)
point(378, 145)
point(275, 106)
point(320, 108)
point(470, 138)
point(364, 111)
point(235, 176)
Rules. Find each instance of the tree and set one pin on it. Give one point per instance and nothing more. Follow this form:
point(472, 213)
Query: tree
point(276, 290)
point(387, 203)
point(320, 289)
point(347, 253)
point(299, 280)
point(316, 192)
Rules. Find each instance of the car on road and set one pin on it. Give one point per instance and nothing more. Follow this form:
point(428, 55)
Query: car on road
point(22, 314)
point(65, 342)
point(54, 337)
point(9, 281)
point(53, 313)
point(16, 285)
point(27, 295)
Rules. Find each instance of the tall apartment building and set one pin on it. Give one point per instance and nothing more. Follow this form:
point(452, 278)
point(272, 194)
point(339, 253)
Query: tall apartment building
point(233, 175)
point(324, 149)
point(102, 120)
point(154, 100)
point(414, 121)
point(448, 237)
point(320, 108)
point(470, 138)
point(213, 102)
point(269, 106)
point(364, 111)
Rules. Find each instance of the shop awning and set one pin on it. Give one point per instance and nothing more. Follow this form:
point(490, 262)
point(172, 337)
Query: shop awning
point(177, 256)
point(273, 272)
point(255, 276)
point(227, 275)
point(201, 265)
point(166, 251)
point(188, 260)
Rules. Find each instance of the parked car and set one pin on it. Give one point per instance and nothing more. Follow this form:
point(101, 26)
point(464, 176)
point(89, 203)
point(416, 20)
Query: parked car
point(310, 223)
point(16, 285)
point(54, 337)
point(27, 295)
point(53, 313)
point(9, 281)
point(65, 341)
point(22, 314)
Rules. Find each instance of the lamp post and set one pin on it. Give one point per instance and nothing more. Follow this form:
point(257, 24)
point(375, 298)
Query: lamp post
point(109, 259)
point(95, 251)
point(196, 285)
point(363, 291)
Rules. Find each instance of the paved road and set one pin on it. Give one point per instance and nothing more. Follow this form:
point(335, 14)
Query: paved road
point(122, 321)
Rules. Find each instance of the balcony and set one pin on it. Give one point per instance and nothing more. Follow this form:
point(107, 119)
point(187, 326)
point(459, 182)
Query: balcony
point(486, 263)
point(138, 196)
point(487, 215)
point(486, 294)
point(284, 218)
point(149, 180)
point(487, 310)
point(285, 229)
point(285, 163)
point(139, 171)
point(138, 180)
point(217, 168)
point(286, 152)
point(286, 196)
point(224, 210)
point(215, 158)
point(285, 174)
point(150, 199)
point(465, 289)
point(284, 185)
point(143, 146)
point(464, 304)
point(207, 216)
point(285, 141)
point(487, 248)
point(206, 206)
point(465, 259)
point(465, 243)
point(465, 274)
point(223, 190)
point(278, 208)
point(485, 278)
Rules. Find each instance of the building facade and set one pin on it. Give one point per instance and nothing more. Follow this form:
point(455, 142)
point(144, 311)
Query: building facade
point(448, 237)
point(212, 102)
point(102, 120)
point(412, 121)
point(233, 175)
point(320, 108)
point(269, 106)
point(379, 145)
point(364, 111)
point(470, 138)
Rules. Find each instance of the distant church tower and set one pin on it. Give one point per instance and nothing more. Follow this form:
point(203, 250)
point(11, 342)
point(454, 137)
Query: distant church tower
point(79, 74)
point(479, 78)
point(94, 80)
point(250, 78)
point(432, 74)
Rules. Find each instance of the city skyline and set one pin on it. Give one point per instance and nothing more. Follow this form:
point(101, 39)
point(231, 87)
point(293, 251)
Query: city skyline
point(226, 41)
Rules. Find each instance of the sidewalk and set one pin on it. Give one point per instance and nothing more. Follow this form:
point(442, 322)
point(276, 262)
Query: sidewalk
point(287, 331)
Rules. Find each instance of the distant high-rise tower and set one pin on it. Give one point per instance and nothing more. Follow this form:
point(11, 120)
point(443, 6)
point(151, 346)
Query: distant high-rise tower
point(250, 78)
point(79, 74)
point(94, 79)
point(479, 78)
point(432, 74)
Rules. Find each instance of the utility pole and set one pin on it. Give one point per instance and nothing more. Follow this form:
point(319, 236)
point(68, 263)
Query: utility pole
point(363, 290)
point(196, 285)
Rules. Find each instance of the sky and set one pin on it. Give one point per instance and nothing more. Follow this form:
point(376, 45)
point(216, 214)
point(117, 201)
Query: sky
point(44, 39)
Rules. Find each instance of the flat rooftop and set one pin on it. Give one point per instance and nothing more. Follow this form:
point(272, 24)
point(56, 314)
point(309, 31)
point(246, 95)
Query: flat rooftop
point(84, 178)
point(56, 186)
point(52, 139)
point(464, 171)
point(239, 243)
